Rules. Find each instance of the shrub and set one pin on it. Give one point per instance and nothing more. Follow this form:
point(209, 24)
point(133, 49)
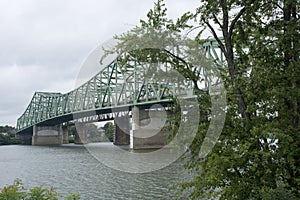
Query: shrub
point(17, 191)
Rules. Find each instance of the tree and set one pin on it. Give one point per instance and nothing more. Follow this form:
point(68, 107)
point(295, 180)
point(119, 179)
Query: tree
point(72, 130)
point(109, 129)
point(258, 150)
point(8, 135)
point(11, 131)
point(276, 48)
point(257, 154)
point(95, 134)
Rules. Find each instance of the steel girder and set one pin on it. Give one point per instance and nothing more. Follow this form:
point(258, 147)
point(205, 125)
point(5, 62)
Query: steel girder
point(117, 85)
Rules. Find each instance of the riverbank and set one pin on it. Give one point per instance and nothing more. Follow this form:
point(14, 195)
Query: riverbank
point(8, 140)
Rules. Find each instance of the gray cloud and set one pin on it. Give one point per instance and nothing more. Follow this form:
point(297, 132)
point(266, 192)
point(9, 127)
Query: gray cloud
point(44, 43)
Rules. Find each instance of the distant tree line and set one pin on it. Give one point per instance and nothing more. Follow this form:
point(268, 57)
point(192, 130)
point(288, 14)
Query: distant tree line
point(7, 135)
point(94, 133)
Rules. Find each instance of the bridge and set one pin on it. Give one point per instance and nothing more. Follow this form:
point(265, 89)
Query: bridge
point(120, 91)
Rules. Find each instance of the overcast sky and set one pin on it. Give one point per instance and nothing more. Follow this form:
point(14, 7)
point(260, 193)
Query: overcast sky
point(44, 42)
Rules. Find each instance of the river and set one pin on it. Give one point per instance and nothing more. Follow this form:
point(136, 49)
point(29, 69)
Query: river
point(73, 169)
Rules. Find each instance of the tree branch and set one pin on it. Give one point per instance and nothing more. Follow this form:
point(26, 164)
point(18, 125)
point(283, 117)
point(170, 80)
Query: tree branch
point(216, 37)
point(192, 29)
point(217, 21)
point(187, 68)
point(225, 18)
point(237, 17)
point(279, 6)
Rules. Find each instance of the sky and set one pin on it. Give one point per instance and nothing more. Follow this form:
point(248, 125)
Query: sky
point(43, 43)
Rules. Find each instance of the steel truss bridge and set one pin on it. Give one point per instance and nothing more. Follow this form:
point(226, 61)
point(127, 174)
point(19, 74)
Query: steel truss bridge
point(117, 87)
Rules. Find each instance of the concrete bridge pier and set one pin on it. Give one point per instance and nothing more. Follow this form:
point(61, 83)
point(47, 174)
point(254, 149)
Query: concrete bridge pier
point(65, 135)
point(122, 131)
point(147, 128)
point(81, 133)
point(47, 135)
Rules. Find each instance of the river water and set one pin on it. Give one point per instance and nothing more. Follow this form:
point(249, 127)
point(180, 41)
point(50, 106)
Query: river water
point(73, 169)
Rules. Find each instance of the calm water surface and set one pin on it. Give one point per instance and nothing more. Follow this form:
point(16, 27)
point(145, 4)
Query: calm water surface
point(71, 169)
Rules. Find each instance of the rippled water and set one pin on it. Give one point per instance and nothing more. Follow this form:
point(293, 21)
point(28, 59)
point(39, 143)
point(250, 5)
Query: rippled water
point(71, 169)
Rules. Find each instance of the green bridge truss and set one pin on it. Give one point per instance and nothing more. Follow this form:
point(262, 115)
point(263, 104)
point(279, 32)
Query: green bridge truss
point(118, 86)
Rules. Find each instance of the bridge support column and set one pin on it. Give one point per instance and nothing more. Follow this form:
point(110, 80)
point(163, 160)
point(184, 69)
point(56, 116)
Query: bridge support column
point(47, 135)
point(122, 131)
point(148, 132)
point(65, 135)
point(81, 133)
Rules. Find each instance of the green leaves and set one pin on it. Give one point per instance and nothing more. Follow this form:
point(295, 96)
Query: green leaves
point(13, 192)
point(257, 154)
point(156, 16)
point(40, 193)
point(256, 158)
point(17, 191)
point(109, 129)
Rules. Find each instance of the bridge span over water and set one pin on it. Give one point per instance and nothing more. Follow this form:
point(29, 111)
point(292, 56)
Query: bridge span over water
point(120, 91)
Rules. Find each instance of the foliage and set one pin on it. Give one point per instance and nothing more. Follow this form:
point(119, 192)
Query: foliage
point(259, 145)
point(8, 129)
point(42, 193)
point(7, 135)
point(17, 191)
point(6, 139)
point(75, 196)
point(274, 194)
point(13, 192)
point(109, 129)
point(94, 133)
point(257, 154)
point(72, 130)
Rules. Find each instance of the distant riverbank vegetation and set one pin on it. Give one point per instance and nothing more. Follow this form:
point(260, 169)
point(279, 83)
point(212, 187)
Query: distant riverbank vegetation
point(17, 191)
point(7, 135)
point(95, 134)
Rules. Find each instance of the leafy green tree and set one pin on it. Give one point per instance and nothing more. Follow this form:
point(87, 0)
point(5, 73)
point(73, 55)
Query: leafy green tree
point(109, 129)
point(257, 154)
point(7, 129)
point(258, 150)
point(72, 130)
point(71, 133)
point(95, 134)
point(8, 135)
point(275, 50)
